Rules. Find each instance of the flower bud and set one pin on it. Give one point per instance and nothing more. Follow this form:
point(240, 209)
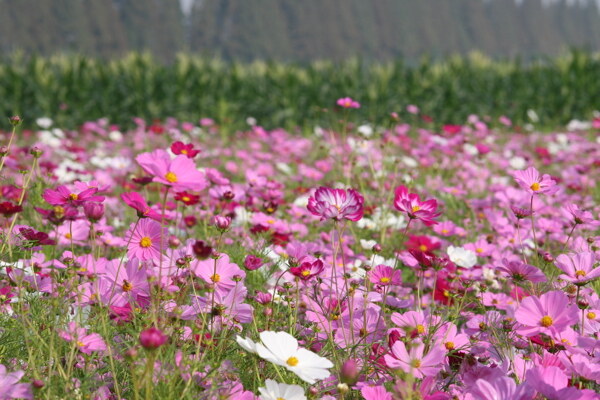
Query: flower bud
point(93, 211)
point(152, 338)
point(36, 152)
point(343, 388)
point(350, 372)
point(202, 250)
point(548, 257)
point(221, 222)
point(15, 120)
point(3, 151)
point(38, 383)
point(376, 248)
point(174, 241)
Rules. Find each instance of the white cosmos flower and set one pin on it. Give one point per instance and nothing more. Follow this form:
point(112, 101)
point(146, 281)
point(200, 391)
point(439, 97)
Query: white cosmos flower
point(281, 348)
point(247, 344)
point(462, 257)
point(281, 391)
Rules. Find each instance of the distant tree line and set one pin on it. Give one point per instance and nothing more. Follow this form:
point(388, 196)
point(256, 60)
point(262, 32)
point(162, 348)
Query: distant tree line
point(290, 30)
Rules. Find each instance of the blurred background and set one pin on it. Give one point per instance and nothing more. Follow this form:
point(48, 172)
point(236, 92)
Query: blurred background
point(284, 62)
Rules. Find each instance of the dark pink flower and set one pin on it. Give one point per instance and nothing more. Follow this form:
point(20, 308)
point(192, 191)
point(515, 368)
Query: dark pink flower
point(64, 196)
point(336, 204)
point(152, 338)
point(137, 202)
point(147, 241)
point(308, 270)
point(384, 275)
point(411, 204)
point(186, 149)
point(252, 262)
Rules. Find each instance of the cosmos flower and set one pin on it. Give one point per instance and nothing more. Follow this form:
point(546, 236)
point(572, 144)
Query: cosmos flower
point(281, 391)
point(411, 204)
point(347, 102)
point(10, 389)
point(530, 181)
point(520, 271)
point(86, 343)
point(281, 348)
point(384, 275)
point(462, 257)
point(415, 362)
point(62, 195)
point(138, 203)
point(308, 270)
point(147, 240)
point(578, 268)
point(180, 173)
point(547, 314)
point(336, 204)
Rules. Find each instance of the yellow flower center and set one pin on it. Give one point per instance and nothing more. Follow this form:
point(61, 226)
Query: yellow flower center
point(215, 278)
point(449, 345)
point(444, 231)
point(535, 186)
point(579, 273)
point(146, 242)
point(423, 247)
point(271, 221)
point(80, 344)
point(546, 321)
point(184, 151)
point(171, 177)
point(185, 198)
point(416, 363)
point(127, 286)
point(305, 272)
point(59, 211)
point(385, 279)
point(415, 208)
point(479, 250)
point(292, 361)
point(591, 315)
point(73, 196)
point(68, 235)
point(420, 329)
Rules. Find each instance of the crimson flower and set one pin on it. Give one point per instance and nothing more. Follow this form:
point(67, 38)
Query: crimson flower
point(187, 198)
point(336, 204)
point(36, 238)
point(308, 270)
point(411, 204)
point(7, 208)
point(186, 149)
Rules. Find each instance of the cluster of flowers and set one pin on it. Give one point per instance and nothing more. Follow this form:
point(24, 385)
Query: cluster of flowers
point(248, 269)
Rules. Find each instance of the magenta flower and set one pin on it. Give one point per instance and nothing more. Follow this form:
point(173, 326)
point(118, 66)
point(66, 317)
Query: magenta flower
point(347, 102)
point(87, 344)
point(411, 204)
point(530, 181)
point(180, 173)
point(63, 196)
point(152, 338)
point(220, 273)
point(550, 313)
point(520, 271)
point(416, 362)
point(375, 393)
point(336, 204)
point(578, 268)
point(146, 241)
point(384, 275)
point(137, 202)
point(308, 270)
point(10, 389)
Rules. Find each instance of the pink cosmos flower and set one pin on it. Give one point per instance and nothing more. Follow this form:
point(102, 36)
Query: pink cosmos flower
point(308, 270)
point(547, 314)
point(87, 344)
point(64, 196)
point(10, 389)
point(137, 202)
point(336, 204)
point(180, 173)
point(375, 393)
point(411, 204)
point(147, 241)
point(347, 102)
point(500, 388)
point(415, 362)
point(578, 216)
point(220, 272)
point(384, 275)
point(530, 181)
point(578, 268)
point(520, 271)
point(126, 283)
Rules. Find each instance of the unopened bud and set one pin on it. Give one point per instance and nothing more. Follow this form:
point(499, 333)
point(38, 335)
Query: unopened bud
point(174, 241)
point(350, 372)
point(36, 152)
point(548, 257)
point(376, 248)
point(15, 120)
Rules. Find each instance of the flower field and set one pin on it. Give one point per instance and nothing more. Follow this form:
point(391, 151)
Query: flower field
point(379, 261)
